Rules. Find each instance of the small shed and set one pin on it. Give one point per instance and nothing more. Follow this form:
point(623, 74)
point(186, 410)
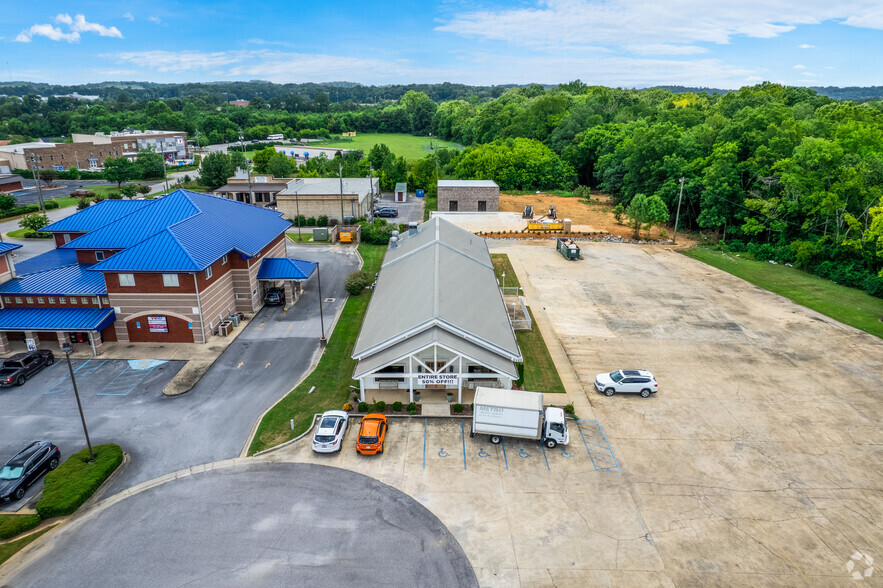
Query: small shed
point(401, 193)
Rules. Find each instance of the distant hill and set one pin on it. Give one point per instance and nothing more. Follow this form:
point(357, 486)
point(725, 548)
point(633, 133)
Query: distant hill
point(856, 93)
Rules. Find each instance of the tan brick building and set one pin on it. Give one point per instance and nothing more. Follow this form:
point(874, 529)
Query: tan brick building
point(468, 196)
point(315, 197)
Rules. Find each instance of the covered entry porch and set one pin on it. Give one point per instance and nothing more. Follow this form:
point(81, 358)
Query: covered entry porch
point(290, 272)
point(431, 366)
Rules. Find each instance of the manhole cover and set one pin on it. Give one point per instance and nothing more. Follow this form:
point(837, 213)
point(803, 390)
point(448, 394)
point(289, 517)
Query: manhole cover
point(329, 299)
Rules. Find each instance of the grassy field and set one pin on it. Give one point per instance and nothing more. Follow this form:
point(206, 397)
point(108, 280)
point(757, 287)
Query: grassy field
point(408, 146)
point(540, 374)
point(332, 377)
point(502, 264)
point(847, 305)
point(7, 550)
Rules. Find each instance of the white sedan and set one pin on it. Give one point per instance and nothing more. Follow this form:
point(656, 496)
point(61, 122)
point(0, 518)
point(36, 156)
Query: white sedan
point(328, 437)
point(636, 381)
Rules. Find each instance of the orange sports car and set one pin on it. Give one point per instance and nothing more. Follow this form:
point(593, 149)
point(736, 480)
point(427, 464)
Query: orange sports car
point(372, 433)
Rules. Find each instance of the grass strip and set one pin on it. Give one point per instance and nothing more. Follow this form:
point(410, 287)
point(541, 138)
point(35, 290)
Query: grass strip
point(74, 481)
point(540, 374)
point(848, 305)
point(7, 550)
point(502, 264)
point(13, 524)
point(332, 376)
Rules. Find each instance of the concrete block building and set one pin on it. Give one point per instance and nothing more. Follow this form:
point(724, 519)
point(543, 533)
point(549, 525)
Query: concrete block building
point(315, 197)
point(164, 270)
point(468, 196)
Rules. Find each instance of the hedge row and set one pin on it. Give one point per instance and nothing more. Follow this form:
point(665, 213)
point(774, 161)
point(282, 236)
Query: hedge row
point(74, 481)
point(13, 524)
point(27, 209)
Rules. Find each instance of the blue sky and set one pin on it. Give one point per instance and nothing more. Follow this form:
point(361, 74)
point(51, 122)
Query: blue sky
point(630, 43)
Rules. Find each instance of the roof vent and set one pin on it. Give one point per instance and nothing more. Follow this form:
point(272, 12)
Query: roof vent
point(394, 240)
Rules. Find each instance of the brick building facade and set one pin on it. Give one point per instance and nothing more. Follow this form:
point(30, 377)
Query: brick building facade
point(468, 196)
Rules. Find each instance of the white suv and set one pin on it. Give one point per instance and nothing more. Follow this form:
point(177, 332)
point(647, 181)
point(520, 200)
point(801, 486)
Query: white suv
point(637, 381)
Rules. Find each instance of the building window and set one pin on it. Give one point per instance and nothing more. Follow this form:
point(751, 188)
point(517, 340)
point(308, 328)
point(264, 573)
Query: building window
point(482, 205)
point(95, 300)
point(224, 260)
point(170, 280)
point(62, 300)
point(30, 300)
point(18, 299)
point(99, 256)
point(51, 158)
point(127, 279)
point(208, 273)
point(66, 237)
point(105, 301)
point(40, 300)
point(452, 206)
point(51, 300)
point(7, 299)
point(85, 300)
point(62, 156)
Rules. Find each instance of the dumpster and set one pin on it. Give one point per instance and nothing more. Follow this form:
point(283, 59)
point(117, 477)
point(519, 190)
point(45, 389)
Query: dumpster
point(420, 193)
point(567, 248)
point(346, 236)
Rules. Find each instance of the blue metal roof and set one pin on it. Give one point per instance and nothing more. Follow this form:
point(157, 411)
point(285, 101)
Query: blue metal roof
point(52, 259)
point(184, 231)
point(7, 247)
point(275, 268)
point(56, 319)
point(60, 281)
point(96, 216)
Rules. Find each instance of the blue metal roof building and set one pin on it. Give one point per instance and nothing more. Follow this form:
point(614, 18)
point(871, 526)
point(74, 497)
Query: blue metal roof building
point(96, 216)
point(50, 260)
point(60, 281)
point(7, 247)
point(56, 319)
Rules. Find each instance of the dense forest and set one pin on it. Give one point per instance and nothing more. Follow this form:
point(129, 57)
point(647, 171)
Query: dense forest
point(785, 172)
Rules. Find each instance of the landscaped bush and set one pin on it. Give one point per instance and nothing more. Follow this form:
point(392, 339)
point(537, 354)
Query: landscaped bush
point(412, 408)
point(51, 204)
point(74, 481)
point(347, 407)
point(356, 282)
point(113, 196)
point(33, 235)
point(12, 524)
point(458, 408)
point(380, 406)
point(568, 408)
point(363, 407)
point(397, 406)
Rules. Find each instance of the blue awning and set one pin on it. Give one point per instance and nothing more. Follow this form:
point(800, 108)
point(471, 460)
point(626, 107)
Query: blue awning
point(279, 268)
point(56, 319)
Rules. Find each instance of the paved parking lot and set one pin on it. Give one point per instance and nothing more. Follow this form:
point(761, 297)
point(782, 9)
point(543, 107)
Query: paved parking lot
point(410, 211)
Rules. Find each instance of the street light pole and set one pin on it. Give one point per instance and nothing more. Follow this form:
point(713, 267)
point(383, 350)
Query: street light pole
point(67, 353)
point(297, 216)
point(341, 191)
point(678, 215)
point(36, 171)
point(322, 340)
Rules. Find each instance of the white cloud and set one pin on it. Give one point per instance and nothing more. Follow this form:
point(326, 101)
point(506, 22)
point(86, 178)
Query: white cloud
point(77, 25)
point(666, 49)
point(549, 23)
point(129, 16)
point(798, 66)
point(807, 46)
point(154, 19)
point(179, 61)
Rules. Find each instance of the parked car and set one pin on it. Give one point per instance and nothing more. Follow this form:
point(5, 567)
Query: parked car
point(637, 381)
point(387, 212)
point(328, 437)
point(275, 297)
point(22, 366)
point(372, 433)
point(26, 467)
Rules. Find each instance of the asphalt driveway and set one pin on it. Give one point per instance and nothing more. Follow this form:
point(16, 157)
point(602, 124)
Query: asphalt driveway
point(209, 423)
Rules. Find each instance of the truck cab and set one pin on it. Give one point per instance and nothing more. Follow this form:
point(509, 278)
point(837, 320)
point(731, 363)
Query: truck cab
point(555, 428)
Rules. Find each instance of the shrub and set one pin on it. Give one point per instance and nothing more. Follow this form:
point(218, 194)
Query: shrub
point(311, 222)
point(618, 212)
point(74, 481)
point(12, 524)
point(356, 282)
point(568, 408)
point(98, 198)
point(380, 406)
point(143, 189)
point(582, 192)
point(363, 407)
point(113, 196)
point(129, 190)
point(412, 408)
point(322, 221)
point(83, 203)
point(51, 204)
point(397, 406)
point(347, 407)
point(458, 408)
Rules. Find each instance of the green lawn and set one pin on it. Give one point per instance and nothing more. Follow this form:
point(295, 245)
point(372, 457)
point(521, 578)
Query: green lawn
point(408, 146)
point(7, 550)
point(332, 377)
point(502, 264)
point(847, 305)
point(307, 238)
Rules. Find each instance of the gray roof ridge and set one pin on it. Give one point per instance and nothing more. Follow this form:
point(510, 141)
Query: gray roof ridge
point(473, 338)
point(467, 255)
point(435, 275)
point(404, 336)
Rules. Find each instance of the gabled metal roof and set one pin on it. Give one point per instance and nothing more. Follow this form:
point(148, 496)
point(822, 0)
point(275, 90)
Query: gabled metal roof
point(275, 268)
point(52, 259)
point(184, 231)
point(7, 247)
point(441, 277)
point(60, 281)
point(56, 319)
point(96, 216)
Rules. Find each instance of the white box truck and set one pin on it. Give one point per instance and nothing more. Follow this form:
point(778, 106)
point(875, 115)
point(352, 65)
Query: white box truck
point(517, 413)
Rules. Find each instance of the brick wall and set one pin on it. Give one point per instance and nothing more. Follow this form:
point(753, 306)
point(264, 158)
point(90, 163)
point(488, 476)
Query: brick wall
point(88, 256)
point(467, 198)
point(22, 301)
point(314, 206)
point(59, 238)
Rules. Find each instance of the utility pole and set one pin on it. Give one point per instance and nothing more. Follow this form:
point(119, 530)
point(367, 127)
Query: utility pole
point(371, 182)
point(678, 215)
point(162, 154)
point(297, 216)
point(341, 191)
point(322, 340)
point(36, 171)
point(66, 348)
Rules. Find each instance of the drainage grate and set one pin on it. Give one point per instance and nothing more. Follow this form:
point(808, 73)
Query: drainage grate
point(330, 299)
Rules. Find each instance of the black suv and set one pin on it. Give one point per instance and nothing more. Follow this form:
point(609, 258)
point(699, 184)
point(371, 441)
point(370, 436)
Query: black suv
point(26, 467)
point(275, 297)
point(386, 212)
point(22, 366)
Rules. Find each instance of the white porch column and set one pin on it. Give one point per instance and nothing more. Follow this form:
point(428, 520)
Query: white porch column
point(410, 379)
point(362, 389)
point(460, 381)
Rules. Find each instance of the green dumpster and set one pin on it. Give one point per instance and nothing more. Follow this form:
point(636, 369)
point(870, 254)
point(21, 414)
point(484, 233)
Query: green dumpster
point(568, 248)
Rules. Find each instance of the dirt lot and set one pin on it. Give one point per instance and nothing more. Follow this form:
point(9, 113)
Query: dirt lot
point(757, 464)
point(597, 213)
